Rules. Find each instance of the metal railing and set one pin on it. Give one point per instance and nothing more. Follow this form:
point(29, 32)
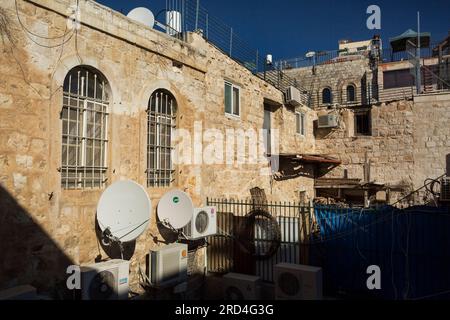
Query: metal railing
point(387, 55)
point(336, 56)
point(320, 58)
point(409, 245)
point(195, 18)
point(238, 248)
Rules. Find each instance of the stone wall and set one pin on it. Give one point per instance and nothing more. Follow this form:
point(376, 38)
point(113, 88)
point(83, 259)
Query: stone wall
point(43, 227)
point(409, 142)
point(336, 76)
point(431, 136)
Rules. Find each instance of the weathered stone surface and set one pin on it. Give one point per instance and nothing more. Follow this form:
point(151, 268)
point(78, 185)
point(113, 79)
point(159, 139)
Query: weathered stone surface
point(407, 145)
point(136, 61)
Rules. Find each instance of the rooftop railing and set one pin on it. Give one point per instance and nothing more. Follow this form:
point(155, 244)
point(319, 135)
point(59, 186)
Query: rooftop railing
point(195, 18)
point(335, 56)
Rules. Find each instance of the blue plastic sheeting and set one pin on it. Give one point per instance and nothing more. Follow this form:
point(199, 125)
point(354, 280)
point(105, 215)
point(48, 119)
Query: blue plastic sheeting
point(411, 247)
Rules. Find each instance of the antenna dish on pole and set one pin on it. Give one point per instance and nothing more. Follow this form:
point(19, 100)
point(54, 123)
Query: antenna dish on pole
point(123, 212)
point(175, 209)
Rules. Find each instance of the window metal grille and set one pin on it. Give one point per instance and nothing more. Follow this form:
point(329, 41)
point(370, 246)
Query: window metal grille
point(161, 121)
point(84, 129)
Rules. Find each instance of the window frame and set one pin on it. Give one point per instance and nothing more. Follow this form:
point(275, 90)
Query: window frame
point(322, 96)
point(300, 123)
point(85, 110)
point(354, 100)
point(233, 88)
point(159, 153)
point(357, 115)
point(397, 79)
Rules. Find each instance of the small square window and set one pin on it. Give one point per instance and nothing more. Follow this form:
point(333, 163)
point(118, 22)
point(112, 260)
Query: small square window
point(232, 99)
point(300, 123)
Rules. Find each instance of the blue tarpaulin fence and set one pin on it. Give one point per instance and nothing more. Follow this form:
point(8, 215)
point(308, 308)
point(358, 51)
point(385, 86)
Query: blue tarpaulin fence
point(410, 246)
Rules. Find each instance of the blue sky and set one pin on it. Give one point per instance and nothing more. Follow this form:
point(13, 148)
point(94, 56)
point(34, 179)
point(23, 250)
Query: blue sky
point(288, 28)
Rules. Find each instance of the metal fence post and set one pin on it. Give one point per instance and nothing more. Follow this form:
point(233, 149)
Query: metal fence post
point(278, 77)
point(231, 41)
point(256, 62)
point(207, 26)
point(196, 14)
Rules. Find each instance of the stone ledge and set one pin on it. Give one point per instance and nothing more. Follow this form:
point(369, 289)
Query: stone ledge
point(115, 24)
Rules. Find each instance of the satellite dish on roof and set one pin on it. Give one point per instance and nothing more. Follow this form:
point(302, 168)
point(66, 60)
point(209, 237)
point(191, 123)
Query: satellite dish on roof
point(175, 209)
point(123, 212)
point(142, 15)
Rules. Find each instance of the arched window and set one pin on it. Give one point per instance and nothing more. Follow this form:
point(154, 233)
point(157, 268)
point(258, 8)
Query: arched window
point(351, 93)
point(326, 96)
point(162, 111)
point(84, 118)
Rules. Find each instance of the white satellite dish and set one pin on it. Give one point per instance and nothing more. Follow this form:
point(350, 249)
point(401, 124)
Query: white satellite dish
point(142, 15)
point(124, 211)
point(175, 209)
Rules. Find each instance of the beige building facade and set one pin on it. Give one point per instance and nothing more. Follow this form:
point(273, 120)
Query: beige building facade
point(48, 217)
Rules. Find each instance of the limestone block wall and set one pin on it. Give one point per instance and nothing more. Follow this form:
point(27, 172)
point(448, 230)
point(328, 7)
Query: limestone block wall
point(44, 228)
point(409, 142)
point(336, 76)
point(431, 136)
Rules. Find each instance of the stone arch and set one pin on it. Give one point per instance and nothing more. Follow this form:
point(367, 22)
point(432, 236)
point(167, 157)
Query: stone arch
point(72, 61)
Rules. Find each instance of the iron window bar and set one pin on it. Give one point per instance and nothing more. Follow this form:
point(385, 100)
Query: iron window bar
point(161, 123)
point(85, 126)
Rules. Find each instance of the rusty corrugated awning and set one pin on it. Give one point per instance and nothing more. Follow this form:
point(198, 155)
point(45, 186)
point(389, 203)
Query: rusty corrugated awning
point(310, 158)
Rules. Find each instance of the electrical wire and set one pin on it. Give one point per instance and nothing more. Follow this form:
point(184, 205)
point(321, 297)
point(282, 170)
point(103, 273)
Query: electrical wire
point(35, 34)
point(51, 46)
point(80, 60)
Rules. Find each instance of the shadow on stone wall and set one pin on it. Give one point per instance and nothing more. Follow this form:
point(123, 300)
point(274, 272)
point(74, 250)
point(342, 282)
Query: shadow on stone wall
point(289, 170)
point(113, 250)
point(28, 254)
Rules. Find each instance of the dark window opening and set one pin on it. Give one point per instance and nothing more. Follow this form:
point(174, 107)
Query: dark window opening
point(351, 94)
point(363, 124)
point(326, 96)
point(398, 79)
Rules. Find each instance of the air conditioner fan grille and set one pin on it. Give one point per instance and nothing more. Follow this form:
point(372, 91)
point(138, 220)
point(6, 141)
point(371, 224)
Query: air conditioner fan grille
point(289, 284)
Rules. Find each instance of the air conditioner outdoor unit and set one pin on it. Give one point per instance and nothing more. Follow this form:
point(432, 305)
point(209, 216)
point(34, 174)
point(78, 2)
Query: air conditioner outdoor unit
point(328, 121)
point(203, 223)
point(445, 189)
point(238, 286)
point(105, 281)
point(297, 282)
point(168, 265)
point(293, 96)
